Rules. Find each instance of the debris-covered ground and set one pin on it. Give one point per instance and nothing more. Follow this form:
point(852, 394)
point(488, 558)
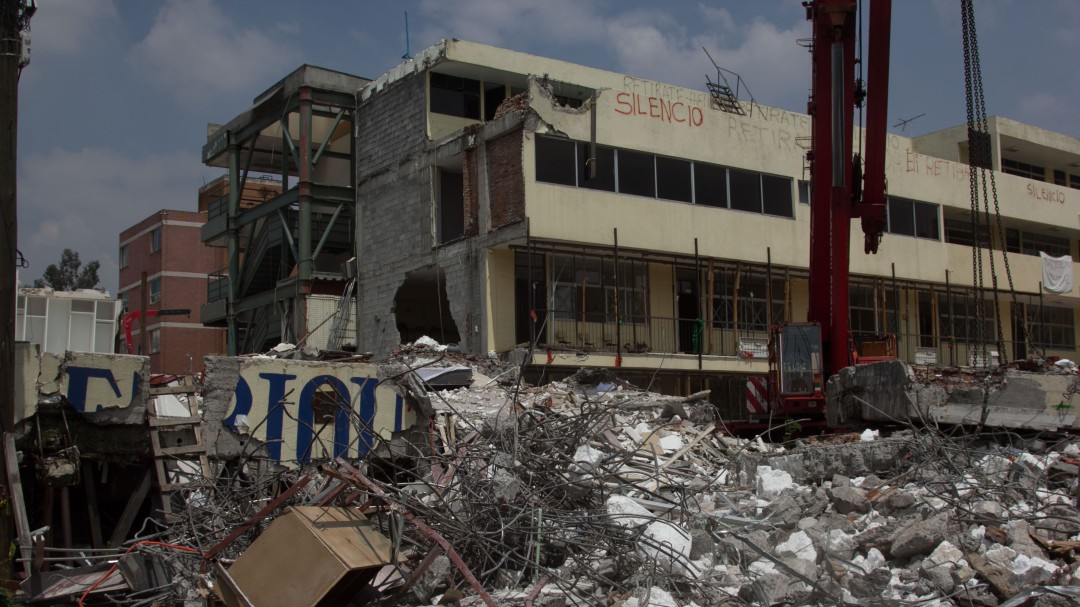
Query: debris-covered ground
point(592, 492)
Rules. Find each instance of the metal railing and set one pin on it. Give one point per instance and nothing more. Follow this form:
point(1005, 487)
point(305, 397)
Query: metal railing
point(598, 332)
point(594, 332)
point(217, 285)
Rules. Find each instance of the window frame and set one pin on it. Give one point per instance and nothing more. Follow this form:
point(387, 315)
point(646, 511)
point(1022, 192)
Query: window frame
point(155, 240)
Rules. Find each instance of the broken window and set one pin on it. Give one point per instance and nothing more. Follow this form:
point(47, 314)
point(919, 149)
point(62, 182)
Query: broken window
point(710, 185)
point(555, 161)
point(597, 173)
point(673, 181)
point(455, 96)
point(451, 205)
point(494, 94)
point(421, 307)
point(636, 174)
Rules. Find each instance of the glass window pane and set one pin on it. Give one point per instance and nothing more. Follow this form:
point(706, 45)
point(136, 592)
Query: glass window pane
point(605, 168)
point(901, 216)
point(636, 174)
point(777, 195)
point(673, 179)
point(745, 190)
point(710, 185)
point(926, 221)
point(555, 161)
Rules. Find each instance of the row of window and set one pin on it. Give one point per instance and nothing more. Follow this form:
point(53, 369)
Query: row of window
point(1038, 173)
point(572, 163)
point(154, 296)
point(155, 246)
point(959, 231)
point(583, 288)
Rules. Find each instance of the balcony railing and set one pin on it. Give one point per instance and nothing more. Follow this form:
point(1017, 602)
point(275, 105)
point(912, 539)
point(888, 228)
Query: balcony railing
point(660, 335)
point(217, 285)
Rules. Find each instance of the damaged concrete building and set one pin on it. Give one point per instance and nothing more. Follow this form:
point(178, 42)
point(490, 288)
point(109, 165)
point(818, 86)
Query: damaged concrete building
point(500, 200)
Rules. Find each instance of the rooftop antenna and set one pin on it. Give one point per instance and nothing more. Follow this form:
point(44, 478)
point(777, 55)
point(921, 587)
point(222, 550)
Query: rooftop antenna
point(408, 49)
point(903, 122)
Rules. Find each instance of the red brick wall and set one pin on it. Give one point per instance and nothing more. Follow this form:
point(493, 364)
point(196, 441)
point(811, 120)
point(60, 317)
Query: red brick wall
point(506, 179)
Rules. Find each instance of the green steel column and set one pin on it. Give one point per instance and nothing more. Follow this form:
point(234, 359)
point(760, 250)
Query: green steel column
point(303, 185)
point(233, 339)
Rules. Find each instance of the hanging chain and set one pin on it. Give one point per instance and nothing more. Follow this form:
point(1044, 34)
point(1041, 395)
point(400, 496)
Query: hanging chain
point(981, 173)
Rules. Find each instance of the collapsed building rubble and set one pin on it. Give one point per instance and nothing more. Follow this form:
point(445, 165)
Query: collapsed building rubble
point(364, 485)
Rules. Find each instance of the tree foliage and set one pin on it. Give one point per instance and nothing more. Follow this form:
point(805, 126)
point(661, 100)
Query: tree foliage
point(68, 276)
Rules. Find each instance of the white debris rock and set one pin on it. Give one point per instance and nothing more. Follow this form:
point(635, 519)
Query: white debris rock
point(671, 443)
point(1031, 571)
point(771, 483)
point(798, 545)
point(586, 454)
point(667, 544)
point(870, 435)
point(627, 512)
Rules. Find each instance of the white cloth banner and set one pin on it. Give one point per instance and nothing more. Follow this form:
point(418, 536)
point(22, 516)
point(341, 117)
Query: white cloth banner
point(1057, 273)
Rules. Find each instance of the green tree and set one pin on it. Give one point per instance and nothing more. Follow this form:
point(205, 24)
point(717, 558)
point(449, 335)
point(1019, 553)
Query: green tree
point(68, 276)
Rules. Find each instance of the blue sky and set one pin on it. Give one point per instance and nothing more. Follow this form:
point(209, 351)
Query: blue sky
point(114, 105)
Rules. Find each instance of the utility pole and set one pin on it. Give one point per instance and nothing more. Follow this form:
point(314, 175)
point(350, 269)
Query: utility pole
point(14, 19)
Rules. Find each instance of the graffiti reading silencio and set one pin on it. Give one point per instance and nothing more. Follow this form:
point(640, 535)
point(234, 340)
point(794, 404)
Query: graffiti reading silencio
point(658, 108)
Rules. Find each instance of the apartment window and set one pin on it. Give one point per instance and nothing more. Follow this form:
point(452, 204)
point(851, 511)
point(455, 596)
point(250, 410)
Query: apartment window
point(1056, 328)
point(1023, 169)
point(745, 190)
point(913, 218)
point(959, 319)
point(124, 256)
point(870, 310)
point(1074, 181)
point(710, 185)
point(673, 181)
point(752, 301)
point(556, 161)
point(1059, 178)
point(155, 290)
point(565, 162)
point(584, 289)
point(455, 96)
point(125, 300)
point(637, 175)
point(1031, 243)
point(155, 240)
point(961, 232)
point(776, 196)
point(155, 341)
point(604, 164)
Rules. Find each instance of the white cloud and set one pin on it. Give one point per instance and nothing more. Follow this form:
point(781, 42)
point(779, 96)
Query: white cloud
point(196, 52)
point(67, 26)
point(83, 199)
point(502, 22)
point(768, 59)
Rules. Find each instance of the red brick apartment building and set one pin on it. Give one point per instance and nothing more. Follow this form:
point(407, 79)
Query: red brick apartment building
point(167, 247)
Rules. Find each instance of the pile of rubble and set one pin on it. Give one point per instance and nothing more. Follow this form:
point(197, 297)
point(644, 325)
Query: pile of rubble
point(593, 492)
